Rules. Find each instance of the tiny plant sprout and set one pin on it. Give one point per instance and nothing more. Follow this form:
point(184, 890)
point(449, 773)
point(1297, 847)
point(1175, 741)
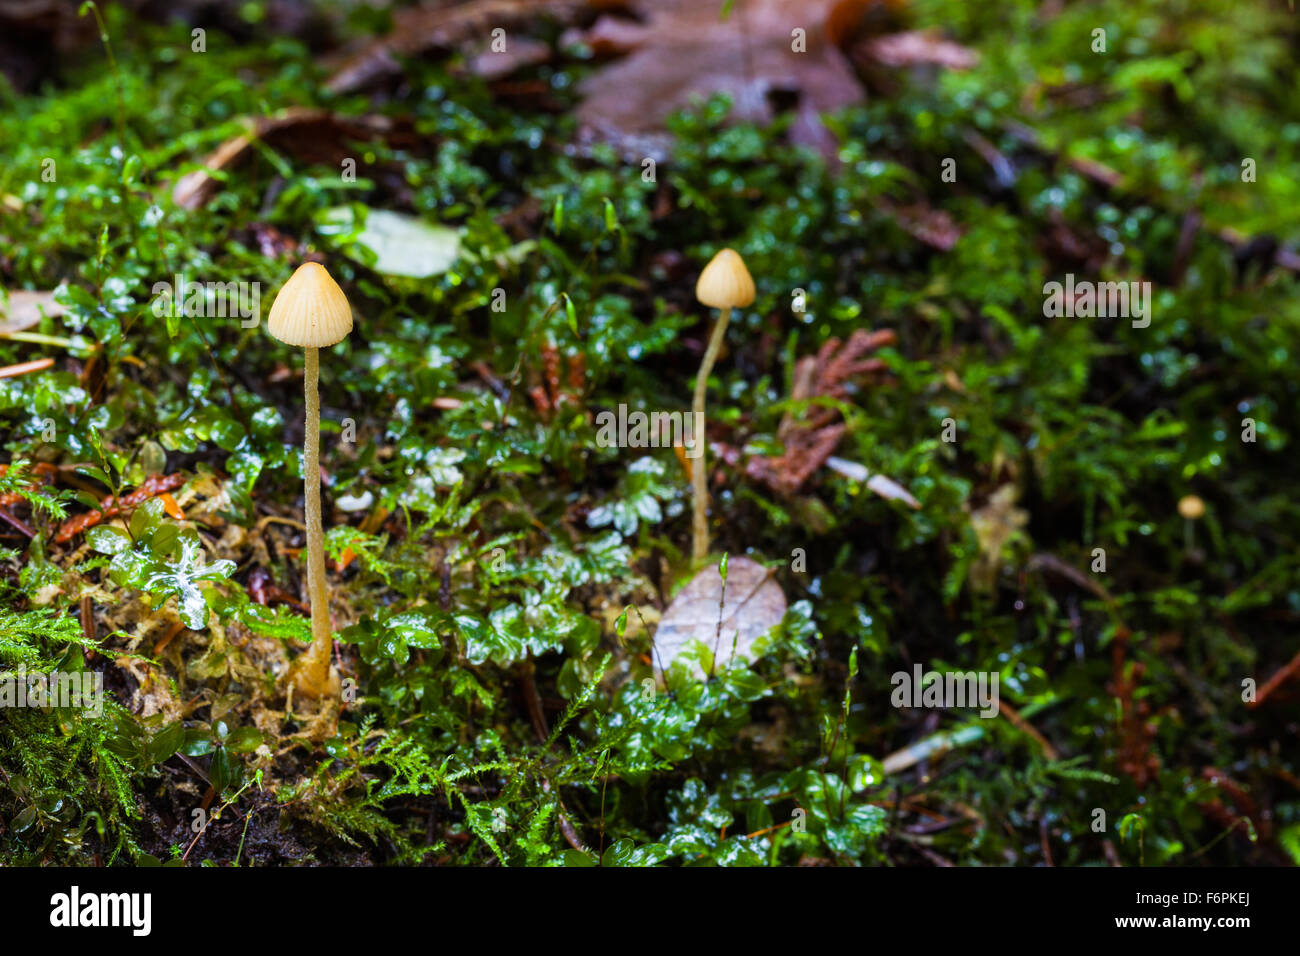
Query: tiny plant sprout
point(311, 311)
point(724, 284)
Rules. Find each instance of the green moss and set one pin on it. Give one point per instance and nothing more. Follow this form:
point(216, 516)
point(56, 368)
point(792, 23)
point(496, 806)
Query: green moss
point(485, 601)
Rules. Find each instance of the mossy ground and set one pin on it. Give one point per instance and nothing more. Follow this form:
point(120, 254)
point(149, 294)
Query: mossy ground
point(498, 713)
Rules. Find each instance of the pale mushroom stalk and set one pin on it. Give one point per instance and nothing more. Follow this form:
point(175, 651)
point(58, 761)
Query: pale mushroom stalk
point(699, 473)
point(724, 284)
point(311, 311)
point(315, 663)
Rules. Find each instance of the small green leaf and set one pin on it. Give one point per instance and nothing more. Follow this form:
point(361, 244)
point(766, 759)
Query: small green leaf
point(571, 313)
point(219, 771)
point(107, 539)
point(166, 742)
point(95, 474)
point(244, 740)
point(146, 518)
point(24, 820)
point(131, 169)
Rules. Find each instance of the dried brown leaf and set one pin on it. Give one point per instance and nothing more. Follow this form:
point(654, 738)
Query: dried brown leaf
point(685, 50)
point(919, 48)
point(25, 309)
point(438, 26)
point(754, 604)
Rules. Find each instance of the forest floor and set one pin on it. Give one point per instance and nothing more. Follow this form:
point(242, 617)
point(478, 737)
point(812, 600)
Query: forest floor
point(922, 456)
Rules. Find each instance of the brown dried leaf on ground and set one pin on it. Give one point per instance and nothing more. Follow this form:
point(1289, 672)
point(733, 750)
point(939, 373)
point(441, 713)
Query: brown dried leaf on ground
point(25, 310)
point(754, 604)
point(309, 135)
point(520, 52)
point(919, 48)
point(683, 49)
point(811, 435)
point(439, 26)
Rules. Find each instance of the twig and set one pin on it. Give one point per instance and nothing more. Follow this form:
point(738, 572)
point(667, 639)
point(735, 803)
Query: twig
point(1289, 670)
point(570, 834)
point(18, 525)
point(23, 368)
point(534, 702)
point(1020, 723)
point(88, 619)
point(944, 741)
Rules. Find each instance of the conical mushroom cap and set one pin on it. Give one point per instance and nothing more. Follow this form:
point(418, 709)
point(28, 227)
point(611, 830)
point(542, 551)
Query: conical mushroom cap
point(310, 310)
point(725, 282)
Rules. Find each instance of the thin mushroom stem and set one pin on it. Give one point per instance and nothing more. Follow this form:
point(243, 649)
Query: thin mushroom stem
point(700, 470)
point(315, 663)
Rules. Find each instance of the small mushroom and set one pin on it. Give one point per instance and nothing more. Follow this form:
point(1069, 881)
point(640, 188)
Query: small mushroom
point(1192, 510)
point(312, 312)
point(724, 284)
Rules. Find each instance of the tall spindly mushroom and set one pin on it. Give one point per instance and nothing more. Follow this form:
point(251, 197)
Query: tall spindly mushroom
point(311, 311)
point(724, 284)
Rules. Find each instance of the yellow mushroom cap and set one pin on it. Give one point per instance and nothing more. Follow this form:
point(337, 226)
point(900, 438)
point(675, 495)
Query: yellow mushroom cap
point(725, 282)
point(310, 310)
point(1191, 507)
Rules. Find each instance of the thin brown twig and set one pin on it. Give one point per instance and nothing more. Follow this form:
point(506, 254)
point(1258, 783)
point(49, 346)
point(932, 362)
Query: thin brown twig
point(1280, 677)
point(16, 524)
point(23, 368)
point(1011, 714)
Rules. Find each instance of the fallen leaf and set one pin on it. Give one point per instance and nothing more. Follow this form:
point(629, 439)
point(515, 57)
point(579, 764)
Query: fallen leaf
point(685, 49)
point(754, 604)
point(171, 507)
point(401, 245)
point(26, 308)
point(920, 48)
point(520, 52)
point(438, 26)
